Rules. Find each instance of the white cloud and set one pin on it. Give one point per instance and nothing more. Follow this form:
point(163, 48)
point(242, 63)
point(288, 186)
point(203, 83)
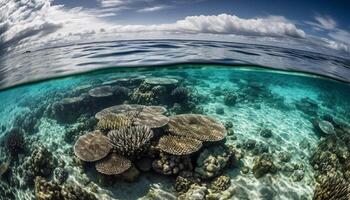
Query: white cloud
point(111, 3)
point(153, 8)
point(29, 23)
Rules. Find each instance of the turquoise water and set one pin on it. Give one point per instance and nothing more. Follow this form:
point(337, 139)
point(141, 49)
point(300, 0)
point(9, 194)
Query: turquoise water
point(287, 134)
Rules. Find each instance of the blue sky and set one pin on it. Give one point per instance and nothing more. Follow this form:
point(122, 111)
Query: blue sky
point(321, 22)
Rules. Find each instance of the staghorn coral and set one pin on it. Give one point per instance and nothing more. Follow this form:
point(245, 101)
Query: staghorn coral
point(170, 164)
point(212, 161)
point(113, 164)
point(263, 165)
point(92, 146)
point(333, 188)
point(111, 122)
point(197, 126)
point(14, 141)
point(177, 145)
point(130, 140)
point(40, 163)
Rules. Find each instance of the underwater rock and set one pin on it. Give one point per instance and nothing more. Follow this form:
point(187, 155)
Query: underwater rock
point(263, 165)
point(15, 141)
point(266, 133)
point(92, 146)
point(180, 95)
point(284, 156)
point(60, 175)
point(298, 175)
point(220, 111)
point(212, 161)
point(151, 116)
point(131, 174)
point(333, 188)
point(171, 164)
point(220, 183)
point(68, 110)
point(130, 141)
point(249, 144)
point(40, 163)
point(245, 170)
point(144, 164)
point(230, 99)
point(157, 193)
point(121, 93)
point(161, 81)
point(196, 126)
point(177, 145)
point(324, 127)
point(307, 106)
point(113, 164)
point(196, 192)
point(101, 92)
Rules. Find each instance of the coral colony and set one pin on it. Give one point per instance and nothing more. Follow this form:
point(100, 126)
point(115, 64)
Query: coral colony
point(131, 130)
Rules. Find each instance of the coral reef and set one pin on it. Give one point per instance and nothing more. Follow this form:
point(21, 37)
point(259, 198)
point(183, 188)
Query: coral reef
point(113, 164)
point(101, 92)
point(15, 141)
point(230, 99)
point(40, 163)
point(177, 145)
point(196, 126)
point(170, 164)
point(45, 190)
point(122, 93)
point(92, 147)
point(221, 183)
point(60, 175)
point(180, 95)
point(263, 165)
point(212, 161)
point(332, 188)
point(130, 140)
point(6, 191)
point(196, 192)
point(182, 184)
point(68, 110)
point(111, 122)
point(151, 116)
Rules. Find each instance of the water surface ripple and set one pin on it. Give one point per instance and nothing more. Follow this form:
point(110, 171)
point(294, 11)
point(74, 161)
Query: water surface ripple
point(58, 61)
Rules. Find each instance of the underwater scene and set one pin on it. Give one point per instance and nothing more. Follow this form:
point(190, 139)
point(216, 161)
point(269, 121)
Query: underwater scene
point(180, 131)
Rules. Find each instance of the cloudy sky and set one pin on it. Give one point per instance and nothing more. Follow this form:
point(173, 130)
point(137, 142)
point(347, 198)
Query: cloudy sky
point(34, 23)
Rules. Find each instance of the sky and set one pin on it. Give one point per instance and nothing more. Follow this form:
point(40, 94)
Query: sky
point(35, 23)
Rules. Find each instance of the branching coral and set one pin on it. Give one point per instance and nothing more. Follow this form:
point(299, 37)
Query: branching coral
point(333, 188)
point(130, 140)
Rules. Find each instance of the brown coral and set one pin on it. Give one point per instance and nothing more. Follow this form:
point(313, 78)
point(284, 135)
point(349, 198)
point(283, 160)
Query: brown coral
point(130, 140)
point(113, 164)
point(111, 122)
point(170, 164)
point(177, 145)
point(196, 126)
point(151, 116)
point(333, 188)
point(92, 147)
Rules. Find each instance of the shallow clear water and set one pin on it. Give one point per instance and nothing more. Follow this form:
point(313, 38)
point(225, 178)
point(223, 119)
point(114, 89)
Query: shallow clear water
point(272, 122)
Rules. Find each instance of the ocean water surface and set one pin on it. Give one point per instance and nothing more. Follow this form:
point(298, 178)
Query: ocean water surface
point(174, 120)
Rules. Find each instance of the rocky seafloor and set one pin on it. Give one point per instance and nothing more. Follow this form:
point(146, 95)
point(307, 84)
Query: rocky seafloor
point(194, 133)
